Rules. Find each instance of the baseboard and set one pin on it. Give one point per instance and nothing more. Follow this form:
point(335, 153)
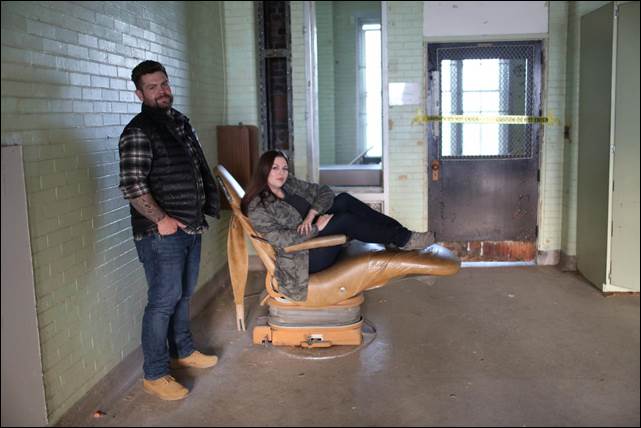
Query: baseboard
point(550, 257)
point(108, 389)
point(567, 263)
point(129, 371)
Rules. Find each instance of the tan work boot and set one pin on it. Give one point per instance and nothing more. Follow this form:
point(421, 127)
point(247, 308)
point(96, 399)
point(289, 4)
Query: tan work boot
point(419, 240)
point(165, 388)
point(196, 359)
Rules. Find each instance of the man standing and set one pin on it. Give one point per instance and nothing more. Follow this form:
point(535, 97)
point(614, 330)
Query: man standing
point(165, 177)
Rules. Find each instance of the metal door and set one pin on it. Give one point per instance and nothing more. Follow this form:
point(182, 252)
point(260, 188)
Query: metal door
point(595, 92)
point(624, 273)
point(483, 177)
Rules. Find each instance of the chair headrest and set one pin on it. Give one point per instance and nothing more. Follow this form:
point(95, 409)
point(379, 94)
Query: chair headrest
point(232, 190)
point(234, 194)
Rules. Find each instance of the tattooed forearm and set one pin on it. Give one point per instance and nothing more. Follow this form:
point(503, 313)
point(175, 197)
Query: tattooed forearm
point(147, 206)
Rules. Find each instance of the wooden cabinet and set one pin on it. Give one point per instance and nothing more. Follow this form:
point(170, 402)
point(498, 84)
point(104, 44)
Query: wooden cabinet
point(238, 152)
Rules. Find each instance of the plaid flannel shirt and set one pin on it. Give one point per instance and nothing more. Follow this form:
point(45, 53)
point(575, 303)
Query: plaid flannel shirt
point(136, 158)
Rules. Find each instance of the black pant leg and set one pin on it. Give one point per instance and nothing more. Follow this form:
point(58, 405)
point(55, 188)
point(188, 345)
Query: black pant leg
point(322, 258)
point(367, 222)
point(358, 221)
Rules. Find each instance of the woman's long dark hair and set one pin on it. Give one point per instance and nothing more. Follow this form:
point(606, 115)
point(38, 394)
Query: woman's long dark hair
point(258, 185)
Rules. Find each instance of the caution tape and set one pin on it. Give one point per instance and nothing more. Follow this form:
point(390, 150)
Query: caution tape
point(485, 119)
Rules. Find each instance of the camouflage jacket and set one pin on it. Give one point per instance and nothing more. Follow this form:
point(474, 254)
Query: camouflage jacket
point(276, 221)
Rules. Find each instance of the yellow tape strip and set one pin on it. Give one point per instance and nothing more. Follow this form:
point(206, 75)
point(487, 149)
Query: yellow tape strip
point(504, 119)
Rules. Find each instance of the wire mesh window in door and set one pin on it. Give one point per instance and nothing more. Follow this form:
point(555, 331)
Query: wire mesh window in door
point(487, 82)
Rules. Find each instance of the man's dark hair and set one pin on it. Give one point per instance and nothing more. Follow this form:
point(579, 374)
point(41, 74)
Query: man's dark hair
point(145, 67)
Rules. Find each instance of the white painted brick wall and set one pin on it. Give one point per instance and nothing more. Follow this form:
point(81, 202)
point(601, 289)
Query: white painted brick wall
point(66, 96)
point(407, 142)
point(240, 68)
point(326, 62)
point(240, 54)
point(551, 186)
point(408, 155)
point(557, 209)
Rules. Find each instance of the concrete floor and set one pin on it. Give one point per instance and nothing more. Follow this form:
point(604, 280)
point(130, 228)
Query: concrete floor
point(515, 346)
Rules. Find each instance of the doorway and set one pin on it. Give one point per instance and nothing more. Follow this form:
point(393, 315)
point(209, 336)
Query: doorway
point(483, 178)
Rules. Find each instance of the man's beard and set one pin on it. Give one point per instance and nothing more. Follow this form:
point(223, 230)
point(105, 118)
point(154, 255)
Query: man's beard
point(166, 107)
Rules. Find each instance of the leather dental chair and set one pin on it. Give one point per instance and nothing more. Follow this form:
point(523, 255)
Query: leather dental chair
point(331, 315)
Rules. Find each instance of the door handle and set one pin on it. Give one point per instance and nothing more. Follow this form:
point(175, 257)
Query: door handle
point(436, 170)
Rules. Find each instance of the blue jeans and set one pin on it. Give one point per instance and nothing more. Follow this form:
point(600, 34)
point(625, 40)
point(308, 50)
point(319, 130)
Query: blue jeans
point(171, 265)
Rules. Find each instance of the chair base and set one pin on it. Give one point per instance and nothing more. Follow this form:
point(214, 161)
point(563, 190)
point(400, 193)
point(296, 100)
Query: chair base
point(309, 336)
point(295, 325)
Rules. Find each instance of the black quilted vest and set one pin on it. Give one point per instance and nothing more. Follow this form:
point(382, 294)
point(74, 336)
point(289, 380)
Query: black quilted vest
point(172, 179)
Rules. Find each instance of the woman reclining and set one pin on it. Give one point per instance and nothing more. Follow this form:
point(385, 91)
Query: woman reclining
point(288, 211)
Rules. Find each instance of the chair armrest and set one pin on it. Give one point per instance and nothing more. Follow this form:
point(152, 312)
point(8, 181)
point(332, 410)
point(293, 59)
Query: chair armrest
point(323, 241)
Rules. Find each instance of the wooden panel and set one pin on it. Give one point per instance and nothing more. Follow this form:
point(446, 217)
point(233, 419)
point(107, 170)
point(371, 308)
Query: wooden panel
point(238, 152)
